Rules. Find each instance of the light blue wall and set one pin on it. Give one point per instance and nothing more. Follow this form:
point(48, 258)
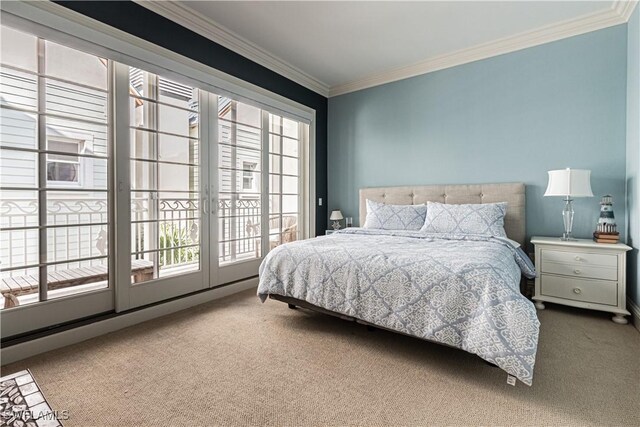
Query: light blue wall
point(633, 152)
point(504, 119)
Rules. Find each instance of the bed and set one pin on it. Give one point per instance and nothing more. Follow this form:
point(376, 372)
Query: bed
point(460, 290)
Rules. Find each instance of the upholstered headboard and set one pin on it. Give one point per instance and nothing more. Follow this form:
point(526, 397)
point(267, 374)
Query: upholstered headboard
point(512, 193)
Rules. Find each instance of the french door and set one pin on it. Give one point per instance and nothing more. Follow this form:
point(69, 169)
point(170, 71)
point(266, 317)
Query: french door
point(121, 186)
point(261, 164)
point(163, 251)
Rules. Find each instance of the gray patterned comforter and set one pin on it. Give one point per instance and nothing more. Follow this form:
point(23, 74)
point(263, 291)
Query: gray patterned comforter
point(462, 291)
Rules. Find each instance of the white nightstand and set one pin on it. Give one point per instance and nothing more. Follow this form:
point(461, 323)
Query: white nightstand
point(581, 273)
point(327, 232)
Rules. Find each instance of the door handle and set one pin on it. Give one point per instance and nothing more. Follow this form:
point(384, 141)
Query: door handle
point(204, 204)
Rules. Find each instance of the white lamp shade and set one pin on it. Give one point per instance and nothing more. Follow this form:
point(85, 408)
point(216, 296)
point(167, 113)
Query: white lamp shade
point(569, 182)
point(336, 216)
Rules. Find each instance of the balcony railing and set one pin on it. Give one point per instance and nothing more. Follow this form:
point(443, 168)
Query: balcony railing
point(85, 230)
point(166, 233)
point(174, 230)
point(239, 229)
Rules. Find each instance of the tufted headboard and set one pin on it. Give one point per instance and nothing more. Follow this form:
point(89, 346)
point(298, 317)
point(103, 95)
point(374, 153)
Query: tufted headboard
point(512, 193)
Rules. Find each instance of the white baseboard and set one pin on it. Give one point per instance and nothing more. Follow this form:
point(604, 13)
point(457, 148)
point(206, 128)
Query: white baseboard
point(82, 333)
point(635, 313)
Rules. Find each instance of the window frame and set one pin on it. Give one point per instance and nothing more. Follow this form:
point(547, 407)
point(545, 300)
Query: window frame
point(81, 168)
point(249, 173)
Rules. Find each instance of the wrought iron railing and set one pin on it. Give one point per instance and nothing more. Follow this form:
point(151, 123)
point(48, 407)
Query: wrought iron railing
point(239, 228)
point(78, 230)
point(173, 232)
point(173, 225)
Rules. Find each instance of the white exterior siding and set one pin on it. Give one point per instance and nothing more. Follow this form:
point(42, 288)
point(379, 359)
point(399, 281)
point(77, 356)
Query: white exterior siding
point(247, 150)
point(18, 168)
point(19, 128)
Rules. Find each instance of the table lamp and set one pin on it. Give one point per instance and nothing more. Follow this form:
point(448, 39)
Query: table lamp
point(569, 183)
point(336, 216)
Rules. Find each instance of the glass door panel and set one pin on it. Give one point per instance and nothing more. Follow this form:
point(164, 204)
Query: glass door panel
point(166, 194)
point(55, 198)
point(239, 181)
point(165, 182)
point(285, 200)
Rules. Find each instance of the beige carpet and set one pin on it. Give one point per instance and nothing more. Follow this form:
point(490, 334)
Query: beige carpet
point(238, 362)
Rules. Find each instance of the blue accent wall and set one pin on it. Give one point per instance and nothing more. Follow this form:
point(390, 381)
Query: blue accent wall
point(633, 152)
point(141, 22)
point(503, 119)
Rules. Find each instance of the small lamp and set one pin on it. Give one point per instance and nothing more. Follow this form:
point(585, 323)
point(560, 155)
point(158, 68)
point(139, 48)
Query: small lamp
point(569, 183)
point(336, 216)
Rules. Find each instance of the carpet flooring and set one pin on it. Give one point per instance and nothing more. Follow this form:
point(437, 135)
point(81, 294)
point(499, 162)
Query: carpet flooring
point(235, 361)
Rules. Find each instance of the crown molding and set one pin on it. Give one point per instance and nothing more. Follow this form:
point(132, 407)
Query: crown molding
point(619, 13)
point(624, 8)
point(188, 18)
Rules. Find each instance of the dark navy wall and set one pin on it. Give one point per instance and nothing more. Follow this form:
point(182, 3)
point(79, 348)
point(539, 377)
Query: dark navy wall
point(141, 22)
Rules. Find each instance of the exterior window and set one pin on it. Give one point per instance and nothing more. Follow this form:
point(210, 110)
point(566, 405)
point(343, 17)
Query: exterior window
point(63, 168)
point(248, 176)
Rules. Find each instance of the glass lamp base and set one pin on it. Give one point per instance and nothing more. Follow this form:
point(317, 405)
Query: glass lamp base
point(567, 219)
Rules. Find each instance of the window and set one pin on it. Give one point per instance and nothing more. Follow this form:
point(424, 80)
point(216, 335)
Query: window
point(165, 185)
point(62, 110)
point(63, 168)
point(244, 131)
point(248, 179)
point(239, 205)
point(285, 165)
point(54, 109)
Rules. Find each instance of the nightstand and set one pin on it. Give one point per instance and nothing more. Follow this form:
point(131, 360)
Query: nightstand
point(327, 232)
point(581, 273)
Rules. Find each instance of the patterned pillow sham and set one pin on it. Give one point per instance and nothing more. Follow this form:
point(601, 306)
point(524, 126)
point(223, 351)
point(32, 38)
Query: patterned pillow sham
point(394, 217)
point(485, 218)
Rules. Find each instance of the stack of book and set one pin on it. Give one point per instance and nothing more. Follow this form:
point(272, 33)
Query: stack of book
point(600, 237)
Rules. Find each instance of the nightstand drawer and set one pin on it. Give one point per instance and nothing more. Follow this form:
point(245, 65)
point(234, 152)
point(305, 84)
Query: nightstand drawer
point(576, 270)
point(579, 258)
point(593, 291)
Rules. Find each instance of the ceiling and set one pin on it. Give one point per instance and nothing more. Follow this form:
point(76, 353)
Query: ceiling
point(337, 47)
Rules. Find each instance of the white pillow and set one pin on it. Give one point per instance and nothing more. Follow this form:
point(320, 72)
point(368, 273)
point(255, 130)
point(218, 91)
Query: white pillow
point(394, 217)
point(485, 218)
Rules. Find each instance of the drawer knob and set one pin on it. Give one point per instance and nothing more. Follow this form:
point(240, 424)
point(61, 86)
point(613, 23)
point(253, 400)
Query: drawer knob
point(577, 290)
point(578, 258)
point(577, 271)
